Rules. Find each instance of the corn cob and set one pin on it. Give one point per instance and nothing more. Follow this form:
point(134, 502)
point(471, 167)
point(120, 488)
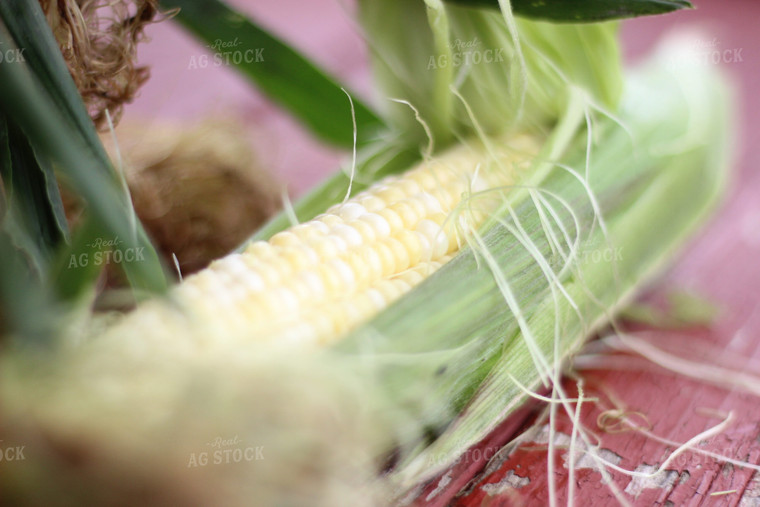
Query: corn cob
point(453, 348)
point(319, 279)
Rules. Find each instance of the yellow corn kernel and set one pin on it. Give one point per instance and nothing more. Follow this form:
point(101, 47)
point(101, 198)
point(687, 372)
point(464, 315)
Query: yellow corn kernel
point(380, 226)
point(406, 212)
point(372, 203)
point(395, 222)
point(390, 194)
point(285, 238)
point(321, 278)
point(365, 230)
point(399, 253)
point(329, 219)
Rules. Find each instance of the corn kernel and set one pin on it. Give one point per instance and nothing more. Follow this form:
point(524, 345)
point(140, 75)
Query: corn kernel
point(389, 194)
point(395, 222)
point(348, 234)
point(351, 211)
point(379, 225)
point(412, 246)
point(372, 203)
point(406, 212)
point(438, 240)
point(400, 254)
point(285, 238)
point(365, 230)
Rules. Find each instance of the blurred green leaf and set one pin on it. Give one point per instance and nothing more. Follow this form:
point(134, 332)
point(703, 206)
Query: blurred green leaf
point(38, 94)
point(35, 219)
point(279, 71)
point(74, 269)
point(683, 309)
point(580, 11)
point(691, 308)
point(28, 27)
point(27, 310)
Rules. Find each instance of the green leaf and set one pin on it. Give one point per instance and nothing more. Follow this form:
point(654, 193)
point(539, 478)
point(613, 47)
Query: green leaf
point(27, 311)
point(279, 71)
point(74, 270)
point(683, 309)
point(35, 219)
point(689, 308)
point(38, 94)
point(582, 11)
point(422, 54)
point(27, 26)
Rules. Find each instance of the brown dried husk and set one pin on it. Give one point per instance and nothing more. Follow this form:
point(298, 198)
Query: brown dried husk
point(98, 40)
point(198, 190)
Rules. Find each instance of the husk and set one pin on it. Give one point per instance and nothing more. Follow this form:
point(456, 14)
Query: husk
point(414, 48)
point(199, 190)
point(98, 41)
point(105, 427)
point(651, 201)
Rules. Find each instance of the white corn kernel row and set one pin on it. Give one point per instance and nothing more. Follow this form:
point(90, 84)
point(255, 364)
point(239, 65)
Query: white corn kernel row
point(317, 280)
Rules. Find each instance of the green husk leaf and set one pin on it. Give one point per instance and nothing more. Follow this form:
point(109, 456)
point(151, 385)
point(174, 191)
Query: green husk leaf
point(685, 308)
point(28, 310)
point(690, 308)
point(283, 74)
point(643, 313)
point(74, 270)
point(37, 94)
point(35, 218)
point(471, 343)
point(526, 84)
point(583, 11)
point(26, 24)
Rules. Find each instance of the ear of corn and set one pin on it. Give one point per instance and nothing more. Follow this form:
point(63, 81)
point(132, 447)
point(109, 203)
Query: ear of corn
point(450, 318)
point(435, 295)
point(312, 283)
